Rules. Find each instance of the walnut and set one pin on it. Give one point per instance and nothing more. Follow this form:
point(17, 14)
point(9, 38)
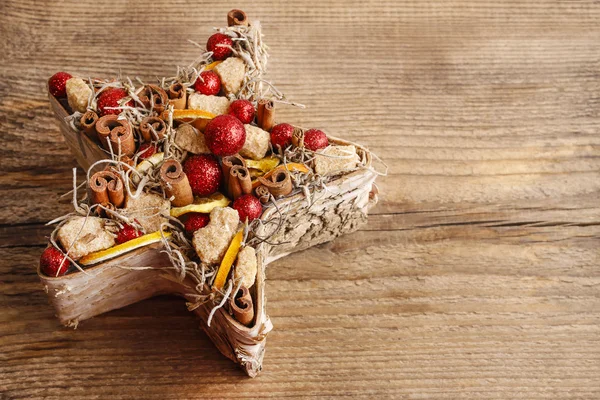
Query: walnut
point(81, 236)
point(246, 267)
point(231, 72)
point(213, 104)
point(150, 210)
point(257, 143)
point(78, 94)
point(343, 158)
point(190, 139)
point(212, 241)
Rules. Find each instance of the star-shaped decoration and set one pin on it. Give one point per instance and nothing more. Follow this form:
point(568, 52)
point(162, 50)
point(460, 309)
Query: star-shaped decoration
point(192, 188)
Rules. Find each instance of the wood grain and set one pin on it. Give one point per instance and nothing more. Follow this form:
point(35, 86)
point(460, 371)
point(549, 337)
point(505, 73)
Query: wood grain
point(477, 276)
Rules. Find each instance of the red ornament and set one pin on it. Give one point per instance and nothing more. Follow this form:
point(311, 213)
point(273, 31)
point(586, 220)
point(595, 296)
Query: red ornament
point(204, 173)
point(225, 135)
point(57, 84)
point(53, 262)
point(196, 221)
point(208, 83)
point(220, 44)
point(146, 150)
point(109, 98)
point(242, 110)
point(281, 135)
point(248, 207)
point(127, 233)
point(315, 139)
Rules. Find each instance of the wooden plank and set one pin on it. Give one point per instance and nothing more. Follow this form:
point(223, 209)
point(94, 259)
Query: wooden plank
point(477, 277)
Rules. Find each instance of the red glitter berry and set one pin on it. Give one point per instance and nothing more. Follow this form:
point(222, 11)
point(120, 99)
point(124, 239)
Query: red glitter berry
point(220, 44)
point(208, 83)
point(204, 173)
point(57, 84)
point(146, 150)
point(225, 135)
point(53, 262)
point(109, 98)
point(248, 207)
point(315, 139)
point(242, 110)
point(127, 233)
point(281, 135)
point(196, 221)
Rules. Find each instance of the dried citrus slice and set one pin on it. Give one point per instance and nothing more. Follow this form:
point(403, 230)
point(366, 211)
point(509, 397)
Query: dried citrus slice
point(228, 259)
point(202, 205)
point(120, 249)
point(147, 164)
point(212, 66)
point(187, 115)
point(266, 164)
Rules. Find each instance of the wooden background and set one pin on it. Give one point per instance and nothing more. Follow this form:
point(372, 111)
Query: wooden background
point(478, 275)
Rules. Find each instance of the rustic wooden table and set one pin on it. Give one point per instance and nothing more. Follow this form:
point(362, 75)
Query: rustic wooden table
point(478, 275)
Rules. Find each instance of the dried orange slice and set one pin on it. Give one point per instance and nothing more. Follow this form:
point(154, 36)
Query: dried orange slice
point(202, 205)
point(228, 259)
point(197, 118)
point(147, 164)
point(265, 165)
point(120, 249)
point(187, 115)
point(211, 66)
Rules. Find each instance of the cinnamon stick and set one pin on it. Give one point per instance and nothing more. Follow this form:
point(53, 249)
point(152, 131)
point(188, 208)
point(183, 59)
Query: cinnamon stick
point(88, 123)
point(116, 131)
point(238, 182)
point(153, 128)
point(176, 183)
point(107, 187)
point(228, 162)
point(298, 137)
point(265, 114)
point(242, 306)
point(154, 97)
point(263, 194)
point(237, 17)
point(177, 96)
point(279, 183)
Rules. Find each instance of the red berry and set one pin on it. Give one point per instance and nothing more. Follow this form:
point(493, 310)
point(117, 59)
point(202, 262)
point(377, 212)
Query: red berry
point(57, 84)
point(242, 110)
point(315, 139)
point(53, 262)
point(146, 150)
point(109, 98)
point(208, 83)
point(220, 45)
point(204, 173)
point(225, 135)
point(196, 221)
point(127, 233)
point(281, 135)
point(248, 207)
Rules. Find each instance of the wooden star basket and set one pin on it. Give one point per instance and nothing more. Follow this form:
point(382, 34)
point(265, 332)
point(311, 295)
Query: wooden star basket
point(342, 208)
point(303, 218)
